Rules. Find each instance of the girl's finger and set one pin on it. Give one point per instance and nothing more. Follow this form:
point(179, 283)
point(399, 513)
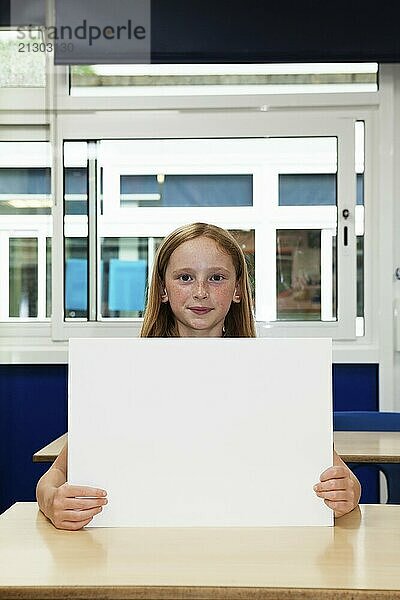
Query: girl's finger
point(331, 484)
point(74, 525)
point(77, 516)
point(335, 496)
point(72, 491)
point(83, 503)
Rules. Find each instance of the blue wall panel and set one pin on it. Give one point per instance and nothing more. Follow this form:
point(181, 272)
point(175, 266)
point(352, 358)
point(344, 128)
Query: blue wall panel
point(355, 387)
point(33, 411)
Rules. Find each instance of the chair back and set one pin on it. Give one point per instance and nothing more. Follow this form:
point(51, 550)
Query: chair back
point(349, 420)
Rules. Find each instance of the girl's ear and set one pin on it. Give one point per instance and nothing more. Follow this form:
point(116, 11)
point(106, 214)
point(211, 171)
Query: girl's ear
point(164, 295)
point(236, 294)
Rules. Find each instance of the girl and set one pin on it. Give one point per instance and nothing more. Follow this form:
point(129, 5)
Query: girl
point(199, 288)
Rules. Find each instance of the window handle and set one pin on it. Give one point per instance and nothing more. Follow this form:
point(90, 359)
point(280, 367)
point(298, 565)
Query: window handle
point(345, 214)
point(345, 236)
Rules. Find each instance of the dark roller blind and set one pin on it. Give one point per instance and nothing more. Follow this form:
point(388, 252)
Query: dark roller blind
point(213, 31)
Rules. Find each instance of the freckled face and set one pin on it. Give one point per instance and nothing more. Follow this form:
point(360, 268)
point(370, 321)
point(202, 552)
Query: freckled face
point(200, 284)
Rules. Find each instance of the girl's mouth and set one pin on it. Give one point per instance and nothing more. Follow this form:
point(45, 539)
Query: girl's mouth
point(200, 310)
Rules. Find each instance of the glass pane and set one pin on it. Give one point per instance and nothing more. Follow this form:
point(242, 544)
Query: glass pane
point(25, 178)
point(360, 189)
point(48, 277)
point(246, 241)
point(307, 189)
point(298, 277)
point(360, 276)
point(308, 196)
point(124, 272)
point(96, 80)
point(76, 280)
point(359, 130)
point(76, 190)
point(76, 229)
point(25, 191)
point(25, 219)
point(23, 281)
point(334, 275)
point(22, 64)
point(186, 190)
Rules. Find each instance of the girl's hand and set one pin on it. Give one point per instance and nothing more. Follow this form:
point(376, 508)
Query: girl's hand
point(339, 489)
point(66, 509)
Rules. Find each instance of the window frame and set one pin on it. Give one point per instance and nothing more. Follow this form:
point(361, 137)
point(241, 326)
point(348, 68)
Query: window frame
point(32, 331)
point(262, 124)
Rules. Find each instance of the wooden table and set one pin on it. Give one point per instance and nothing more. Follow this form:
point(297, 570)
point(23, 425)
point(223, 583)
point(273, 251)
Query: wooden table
point(50, 452)
point(352, 446)
point(358, 558)
point(368, 446)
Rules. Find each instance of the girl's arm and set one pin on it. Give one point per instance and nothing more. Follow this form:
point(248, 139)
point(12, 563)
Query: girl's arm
point(62, 503)
point(339, 487)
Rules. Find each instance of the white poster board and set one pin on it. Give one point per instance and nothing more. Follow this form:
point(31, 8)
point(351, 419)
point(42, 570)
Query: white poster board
point(202, 432)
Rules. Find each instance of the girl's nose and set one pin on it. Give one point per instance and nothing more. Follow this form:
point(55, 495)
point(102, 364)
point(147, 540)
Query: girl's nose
point(200, 291)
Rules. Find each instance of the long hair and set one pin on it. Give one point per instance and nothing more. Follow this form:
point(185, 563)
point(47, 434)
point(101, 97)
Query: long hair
point(159, 320)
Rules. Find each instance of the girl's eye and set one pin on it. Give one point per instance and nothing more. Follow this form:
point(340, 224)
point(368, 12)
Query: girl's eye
point(217, 277)
point(184, 277)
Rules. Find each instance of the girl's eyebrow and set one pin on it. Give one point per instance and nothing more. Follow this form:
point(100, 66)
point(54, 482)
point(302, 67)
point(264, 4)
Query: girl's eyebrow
point(188, 269)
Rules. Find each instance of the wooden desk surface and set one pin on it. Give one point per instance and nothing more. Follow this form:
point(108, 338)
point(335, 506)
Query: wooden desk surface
point(368, 446)
point(352, 446)
point(50, 452)
point(358, 558)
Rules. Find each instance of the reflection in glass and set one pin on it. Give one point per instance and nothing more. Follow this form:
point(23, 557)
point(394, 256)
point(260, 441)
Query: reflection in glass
point(76, 281)
point(25, 190)
point(48, 276)
point(305, 189)
point(360, 276)
point(124, 271)
point(25, 178)
point(76, 190)
point(23, 300)
point(186, 190)
point(246, 241)
point(334, 276)
point(111, 80)
point(359, 147)
point(23, 59)
point(298, 269)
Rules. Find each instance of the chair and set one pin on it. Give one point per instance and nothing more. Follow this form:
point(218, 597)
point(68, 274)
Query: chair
point(373, 421)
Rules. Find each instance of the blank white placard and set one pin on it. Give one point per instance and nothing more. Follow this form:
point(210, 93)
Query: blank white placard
point(187, 432)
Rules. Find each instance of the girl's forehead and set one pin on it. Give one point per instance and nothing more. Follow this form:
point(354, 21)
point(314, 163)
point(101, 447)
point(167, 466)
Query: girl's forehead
point(200, 249)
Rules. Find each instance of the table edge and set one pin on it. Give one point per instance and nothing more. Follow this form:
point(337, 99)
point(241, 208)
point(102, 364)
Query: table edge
point(370, 459)
point(129, 592)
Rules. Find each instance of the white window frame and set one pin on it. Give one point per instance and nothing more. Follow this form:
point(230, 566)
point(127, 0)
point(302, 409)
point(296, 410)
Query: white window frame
point(34, 227)
point(17, 334)
point(178, 125)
